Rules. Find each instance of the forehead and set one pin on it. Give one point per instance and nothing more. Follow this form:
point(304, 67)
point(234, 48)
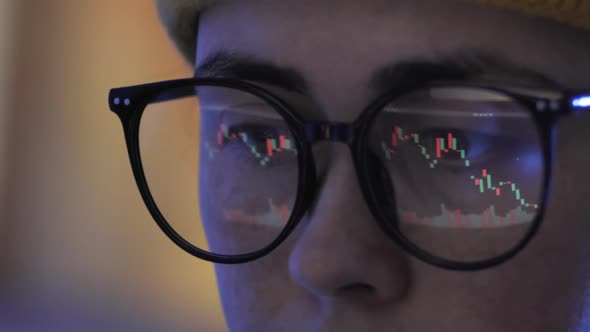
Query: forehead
point(337, 44)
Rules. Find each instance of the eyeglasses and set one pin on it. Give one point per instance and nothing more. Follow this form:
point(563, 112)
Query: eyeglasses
point(457, 174)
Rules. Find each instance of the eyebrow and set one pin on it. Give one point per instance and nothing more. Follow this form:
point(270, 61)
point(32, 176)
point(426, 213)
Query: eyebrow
point(248, 67)
point(460, 66)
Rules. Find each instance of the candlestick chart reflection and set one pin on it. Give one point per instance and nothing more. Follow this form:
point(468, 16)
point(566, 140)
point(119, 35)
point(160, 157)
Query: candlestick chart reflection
point(458, 172)
point(249, 176)
point(263, 151)
point(483, 183)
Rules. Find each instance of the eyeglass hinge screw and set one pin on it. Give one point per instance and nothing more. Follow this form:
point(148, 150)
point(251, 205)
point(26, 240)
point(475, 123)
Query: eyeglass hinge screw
point(126, 101)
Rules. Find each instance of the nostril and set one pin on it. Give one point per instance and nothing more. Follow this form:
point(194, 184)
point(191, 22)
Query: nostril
point(362, 295)
point(357, 288)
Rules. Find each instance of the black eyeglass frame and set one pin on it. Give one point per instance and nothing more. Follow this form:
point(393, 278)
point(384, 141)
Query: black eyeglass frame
point(130, 102)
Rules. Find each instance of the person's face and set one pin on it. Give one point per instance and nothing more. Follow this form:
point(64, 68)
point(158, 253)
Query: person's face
point(339, 271)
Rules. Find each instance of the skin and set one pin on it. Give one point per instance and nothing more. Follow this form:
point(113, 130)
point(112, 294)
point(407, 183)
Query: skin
point(338, 271)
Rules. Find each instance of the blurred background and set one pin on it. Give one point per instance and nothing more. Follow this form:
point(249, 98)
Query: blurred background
point(78, 249)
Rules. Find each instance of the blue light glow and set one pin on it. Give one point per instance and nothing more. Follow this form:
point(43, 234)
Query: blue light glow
point(581, 102)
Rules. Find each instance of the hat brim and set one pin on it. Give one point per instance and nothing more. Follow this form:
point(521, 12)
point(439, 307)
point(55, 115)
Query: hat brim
point(180, 18)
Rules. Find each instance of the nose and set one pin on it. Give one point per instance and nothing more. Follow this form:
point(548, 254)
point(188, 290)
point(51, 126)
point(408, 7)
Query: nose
point(341, 252)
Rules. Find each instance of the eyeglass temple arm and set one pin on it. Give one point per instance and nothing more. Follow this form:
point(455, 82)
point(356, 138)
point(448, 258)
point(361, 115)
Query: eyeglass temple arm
point(130, 95)
point(125, 97)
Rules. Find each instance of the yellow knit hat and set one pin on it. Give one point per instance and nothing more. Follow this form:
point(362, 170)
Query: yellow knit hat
point(180, 17)
point(574, 12)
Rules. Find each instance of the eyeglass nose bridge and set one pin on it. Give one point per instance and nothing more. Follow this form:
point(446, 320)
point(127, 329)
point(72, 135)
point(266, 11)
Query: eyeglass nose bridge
point(329, 131)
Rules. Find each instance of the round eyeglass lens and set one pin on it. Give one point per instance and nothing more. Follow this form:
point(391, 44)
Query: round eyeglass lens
point(221, 165)
point(459, 172)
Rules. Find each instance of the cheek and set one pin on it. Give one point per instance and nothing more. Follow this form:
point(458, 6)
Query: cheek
point(568, 214)
point(243, 304)
point(538, 290)
point(258, 294)
point(243, 210)
point(544, 287)
point(554, 268)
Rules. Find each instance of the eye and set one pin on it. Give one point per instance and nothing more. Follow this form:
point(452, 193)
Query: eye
point(459, 147)
point(445, 146)
point(261, 144)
